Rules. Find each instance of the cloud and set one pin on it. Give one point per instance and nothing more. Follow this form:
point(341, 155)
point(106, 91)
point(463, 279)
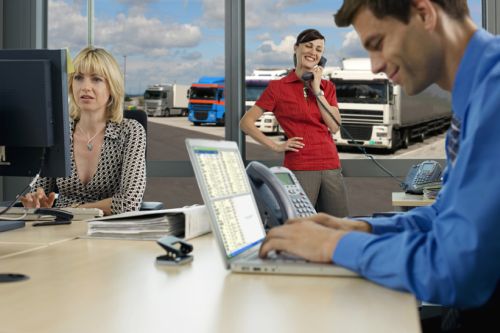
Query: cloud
point(141, 72)
point(146, 36)
point(351, 46)
point(282, 4)
point(132, 34)
point(64, 18)
point(156, 51)
point(213, 13)
point(270, 54)
point(269, 14)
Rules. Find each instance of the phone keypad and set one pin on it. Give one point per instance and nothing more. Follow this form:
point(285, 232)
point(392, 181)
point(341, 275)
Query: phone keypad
point(303, 206)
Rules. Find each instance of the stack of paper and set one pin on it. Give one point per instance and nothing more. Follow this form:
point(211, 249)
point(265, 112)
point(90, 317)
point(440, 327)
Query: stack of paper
point(431, 191)
point(187, 222)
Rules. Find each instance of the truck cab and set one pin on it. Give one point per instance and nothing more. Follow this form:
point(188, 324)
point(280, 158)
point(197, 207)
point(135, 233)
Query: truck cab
point(206, 101)
point(166, 100)
point(155, 98)
point(255, 86)
point(376, 113)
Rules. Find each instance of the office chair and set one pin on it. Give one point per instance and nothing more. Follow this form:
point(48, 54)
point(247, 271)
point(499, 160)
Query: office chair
point(142, 118)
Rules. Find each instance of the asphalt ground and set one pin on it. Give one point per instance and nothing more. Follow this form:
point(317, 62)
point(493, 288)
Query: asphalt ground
point(431, 148)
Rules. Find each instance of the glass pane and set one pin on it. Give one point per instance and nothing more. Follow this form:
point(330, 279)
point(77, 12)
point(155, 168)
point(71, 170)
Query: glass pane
point(163, 42)
point(375, 113)
point(163, 47)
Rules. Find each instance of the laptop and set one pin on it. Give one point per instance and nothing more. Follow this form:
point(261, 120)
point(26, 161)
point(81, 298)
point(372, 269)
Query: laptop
point(234, 216)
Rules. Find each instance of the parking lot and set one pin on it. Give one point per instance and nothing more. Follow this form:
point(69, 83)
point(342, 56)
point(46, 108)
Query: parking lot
point(431, 147)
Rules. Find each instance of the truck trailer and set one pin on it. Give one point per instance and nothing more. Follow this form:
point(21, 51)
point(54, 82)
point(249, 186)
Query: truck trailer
point(255, 84)
point(378, 114)
point(166, 100)
point(206, 101)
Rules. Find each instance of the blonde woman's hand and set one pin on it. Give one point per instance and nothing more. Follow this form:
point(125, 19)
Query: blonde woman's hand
point(292, 144)
point(38, 199)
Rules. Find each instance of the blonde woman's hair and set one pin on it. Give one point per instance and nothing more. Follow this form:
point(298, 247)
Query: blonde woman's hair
point(92, 60)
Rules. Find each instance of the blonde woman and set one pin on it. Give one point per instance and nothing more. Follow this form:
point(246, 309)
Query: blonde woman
point(107, 152)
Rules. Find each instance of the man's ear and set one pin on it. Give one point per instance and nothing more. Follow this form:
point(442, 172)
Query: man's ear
point(426, 11)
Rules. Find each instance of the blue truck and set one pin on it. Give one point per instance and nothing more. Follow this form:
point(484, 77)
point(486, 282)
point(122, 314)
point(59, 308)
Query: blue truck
point(206, 101)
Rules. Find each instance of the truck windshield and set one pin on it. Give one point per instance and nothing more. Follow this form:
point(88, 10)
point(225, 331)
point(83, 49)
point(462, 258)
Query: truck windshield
point(151, 94)
point(203, 93)
point(361, 92)
point(255, 89)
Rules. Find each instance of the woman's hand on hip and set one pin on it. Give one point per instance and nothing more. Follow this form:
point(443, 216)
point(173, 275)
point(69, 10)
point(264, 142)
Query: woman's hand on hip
point(292, 144)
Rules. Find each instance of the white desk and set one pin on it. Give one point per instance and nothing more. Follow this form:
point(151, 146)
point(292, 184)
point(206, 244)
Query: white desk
point(88, 285)
point(402, 199)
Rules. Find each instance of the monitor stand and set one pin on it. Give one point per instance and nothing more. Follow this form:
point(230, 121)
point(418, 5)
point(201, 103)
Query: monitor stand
point(11, 277)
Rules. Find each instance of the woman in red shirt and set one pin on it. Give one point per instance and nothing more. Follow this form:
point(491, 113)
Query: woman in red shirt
point(310, 151)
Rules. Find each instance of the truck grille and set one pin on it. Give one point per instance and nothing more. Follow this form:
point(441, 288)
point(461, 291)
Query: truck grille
point(362, 116)
point(201, 115)
point(201, 107)
point(358, 132)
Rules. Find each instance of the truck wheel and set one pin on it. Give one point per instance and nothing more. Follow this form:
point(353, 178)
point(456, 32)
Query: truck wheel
point(184, 113)
point(197, 124)
point(396, 139)
point(221, 122)
point(405, 139)
point(166, 113)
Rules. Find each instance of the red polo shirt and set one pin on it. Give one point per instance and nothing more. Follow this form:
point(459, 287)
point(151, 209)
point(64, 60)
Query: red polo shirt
point(300, 116)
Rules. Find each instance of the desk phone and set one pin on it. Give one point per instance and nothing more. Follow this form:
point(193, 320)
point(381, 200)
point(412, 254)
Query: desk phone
point(427, 173)
point(278, 194)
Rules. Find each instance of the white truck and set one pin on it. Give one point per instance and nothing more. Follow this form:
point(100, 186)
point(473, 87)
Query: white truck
point(377, 113)
point(166, 100)
point(255, 85)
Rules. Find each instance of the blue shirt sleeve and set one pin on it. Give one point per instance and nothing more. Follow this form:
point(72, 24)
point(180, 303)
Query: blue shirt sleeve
point(446, 253)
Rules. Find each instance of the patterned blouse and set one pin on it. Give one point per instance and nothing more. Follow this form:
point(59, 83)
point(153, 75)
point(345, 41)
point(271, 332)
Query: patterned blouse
point(120, 174)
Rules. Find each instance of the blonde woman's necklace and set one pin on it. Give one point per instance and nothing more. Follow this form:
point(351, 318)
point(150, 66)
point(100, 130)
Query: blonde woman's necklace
point(90, 145)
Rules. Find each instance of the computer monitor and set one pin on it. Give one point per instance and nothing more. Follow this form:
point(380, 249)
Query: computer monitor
point(34, 115)
point(34, 119)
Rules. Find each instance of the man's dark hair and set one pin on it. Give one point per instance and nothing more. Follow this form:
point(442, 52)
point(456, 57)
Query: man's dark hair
point(308, 35)
point(399, 9)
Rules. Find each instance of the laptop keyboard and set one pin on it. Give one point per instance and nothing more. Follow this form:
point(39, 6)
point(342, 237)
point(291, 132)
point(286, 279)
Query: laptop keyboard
point(272, 256)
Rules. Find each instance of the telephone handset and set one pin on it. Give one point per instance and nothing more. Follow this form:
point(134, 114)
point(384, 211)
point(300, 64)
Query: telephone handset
point(278, 194)
point(427, 173)
point(308, 76)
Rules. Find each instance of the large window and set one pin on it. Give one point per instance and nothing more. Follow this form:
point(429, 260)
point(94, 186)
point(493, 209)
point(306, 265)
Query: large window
point(164, 42)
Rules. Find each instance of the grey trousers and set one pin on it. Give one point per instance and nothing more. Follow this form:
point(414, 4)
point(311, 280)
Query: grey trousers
point(326, 190)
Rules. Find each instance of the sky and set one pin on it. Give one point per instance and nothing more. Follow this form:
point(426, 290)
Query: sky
point(178, 41)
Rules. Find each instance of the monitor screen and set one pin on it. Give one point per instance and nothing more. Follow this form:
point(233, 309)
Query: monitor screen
point(34, 113)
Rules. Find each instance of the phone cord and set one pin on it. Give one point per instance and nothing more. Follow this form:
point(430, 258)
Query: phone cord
point(361, 148)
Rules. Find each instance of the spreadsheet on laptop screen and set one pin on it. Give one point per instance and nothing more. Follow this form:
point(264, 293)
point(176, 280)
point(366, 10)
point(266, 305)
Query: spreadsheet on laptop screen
point(230, 197)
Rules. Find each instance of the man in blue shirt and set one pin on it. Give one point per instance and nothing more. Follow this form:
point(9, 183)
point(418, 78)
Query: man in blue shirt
point(447, 253)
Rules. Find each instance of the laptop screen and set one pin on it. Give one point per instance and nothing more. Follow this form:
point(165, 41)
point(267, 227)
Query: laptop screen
point(227, 194)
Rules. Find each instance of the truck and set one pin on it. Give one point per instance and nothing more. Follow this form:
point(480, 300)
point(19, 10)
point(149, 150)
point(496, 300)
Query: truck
point(377, 113)
point(166, 100)
point(206, 101)
point(255, 85)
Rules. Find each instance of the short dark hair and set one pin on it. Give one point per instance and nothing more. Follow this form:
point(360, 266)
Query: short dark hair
point(399, 9)
point(308, 35)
